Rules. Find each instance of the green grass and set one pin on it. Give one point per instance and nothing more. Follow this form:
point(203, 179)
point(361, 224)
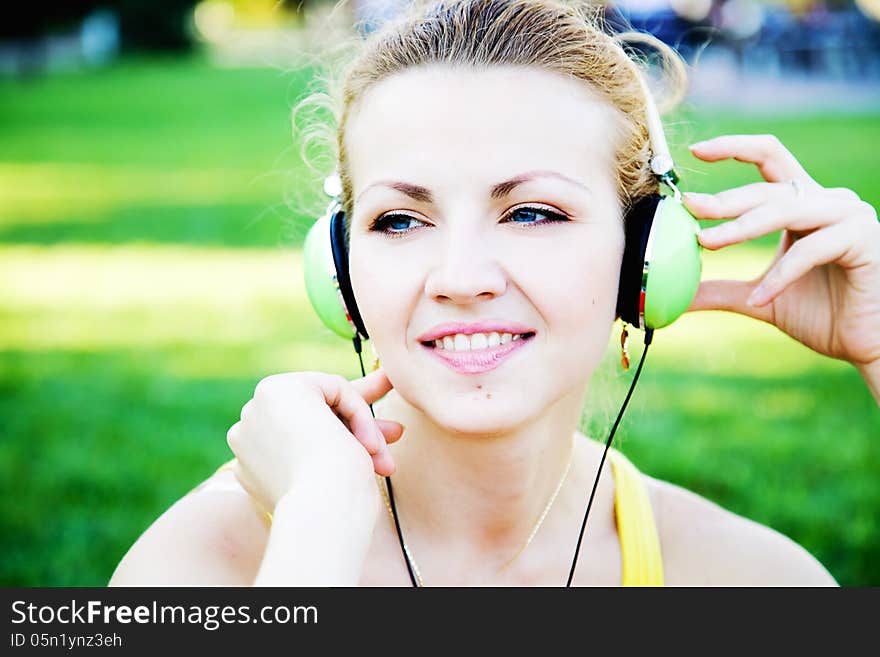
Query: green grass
point(150, 276)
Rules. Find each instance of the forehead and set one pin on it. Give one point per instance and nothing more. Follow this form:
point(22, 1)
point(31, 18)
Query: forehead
point(439, 125)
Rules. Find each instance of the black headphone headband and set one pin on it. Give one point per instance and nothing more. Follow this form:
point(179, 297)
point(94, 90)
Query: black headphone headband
point(340, 258)
point(637, 228)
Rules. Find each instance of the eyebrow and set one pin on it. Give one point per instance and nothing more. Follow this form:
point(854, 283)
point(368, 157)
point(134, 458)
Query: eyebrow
point(498, 191)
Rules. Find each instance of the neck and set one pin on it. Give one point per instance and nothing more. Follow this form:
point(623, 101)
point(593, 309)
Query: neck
point(474, 498)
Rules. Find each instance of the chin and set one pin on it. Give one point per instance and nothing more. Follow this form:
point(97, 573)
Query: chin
point(474, 414)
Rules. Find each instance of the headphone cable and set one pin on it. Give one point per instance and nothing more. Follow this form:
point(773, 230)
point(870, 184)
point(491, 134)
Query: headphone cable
point(409, 566)
point(649, 334)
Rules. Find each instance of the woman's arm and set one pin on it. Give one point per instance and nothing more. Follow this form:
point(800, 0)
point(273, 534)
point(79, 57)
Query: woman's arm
point(706, 545)
point(213, 536)
point(217, 536)
point(322, 529)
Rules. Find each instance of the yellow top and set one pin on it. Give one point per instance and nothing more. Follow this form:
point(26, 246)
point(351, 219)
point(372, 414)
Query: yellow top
point(639, 544)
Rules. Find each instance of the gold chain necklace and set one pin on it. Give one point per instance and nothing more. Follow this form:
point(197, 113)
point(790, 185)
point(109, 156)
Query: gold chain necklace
point(532, 534)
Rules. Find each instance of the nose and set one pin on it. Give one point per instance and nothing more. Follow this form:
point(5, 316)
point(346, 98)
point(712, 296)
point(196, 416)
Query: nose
point(464, 268)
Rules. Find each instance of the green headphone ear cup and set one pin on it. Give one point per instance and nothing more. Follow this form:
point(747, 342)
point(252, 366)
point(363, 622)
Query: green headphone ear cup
point(674, 266)
point(320, 277)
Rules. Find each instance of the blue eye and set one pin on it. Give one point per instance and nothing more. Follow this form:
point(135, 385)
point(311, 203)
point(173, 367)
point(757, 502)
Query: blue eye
point(529, 213)
point(397, 221)
point(395, 225)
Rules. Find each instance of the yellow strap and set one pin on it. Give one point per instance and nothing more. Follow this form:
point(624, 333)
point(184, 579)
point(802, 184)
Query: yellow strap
point(639, 544)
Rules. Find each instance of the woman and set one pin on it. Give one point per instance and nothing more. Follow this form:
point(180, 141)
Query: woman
point(487, 152)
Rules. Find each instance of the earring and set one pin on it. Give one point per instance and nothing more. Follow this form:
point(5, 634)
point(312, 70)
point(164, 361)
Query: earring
point(375, 357)
point(624, 349)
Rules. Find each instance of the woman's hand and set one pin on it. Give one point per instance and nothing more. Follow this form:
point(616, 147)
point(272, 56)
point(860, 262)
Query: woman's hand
point(299, 420)
point(823, 285)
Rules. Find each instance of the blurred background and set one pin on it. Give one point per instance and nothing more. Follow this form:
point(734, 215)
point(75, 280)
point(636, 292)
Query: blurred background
point(152, 208)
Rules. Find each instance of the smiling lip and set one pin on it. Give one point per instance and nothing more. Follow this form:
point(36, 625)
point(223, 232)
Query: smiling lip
point(477, 361)
point(486, 326)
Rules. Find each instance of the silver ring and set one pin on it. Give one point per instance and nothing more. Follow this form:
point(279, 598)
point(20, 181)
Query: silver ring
point(798, 188)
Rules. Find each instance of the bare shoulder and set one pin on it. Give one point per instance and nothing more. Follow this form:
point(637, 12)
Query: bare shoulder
point(212, 536)
point(706, 545)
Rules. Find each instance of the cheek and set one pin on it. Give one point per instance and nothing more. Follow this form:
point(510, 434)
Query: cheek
point(576, 279)
point(575, 290)
point(383, 291)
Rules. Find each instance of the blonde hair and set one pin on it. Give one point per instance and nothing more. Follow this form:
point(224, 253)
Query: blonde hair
point(567, 37)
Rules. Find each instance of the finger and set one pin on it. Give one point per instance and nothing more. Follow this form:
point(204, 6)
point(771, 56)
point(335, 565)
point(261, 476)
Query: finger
point(350, 407)
point(373, 386)
point(383, 464)
point(821, 247)
point(843, 192)
point(232, 435)
point(390, 429)
point(731, 296)
point(246, 409)
point(775, 162)
point(797, 214)
point(732, 203)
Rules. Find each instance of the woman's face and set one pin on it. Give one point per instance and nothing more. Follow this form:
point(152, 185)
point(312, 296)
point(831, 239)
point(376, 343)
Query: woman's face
point(496, 195)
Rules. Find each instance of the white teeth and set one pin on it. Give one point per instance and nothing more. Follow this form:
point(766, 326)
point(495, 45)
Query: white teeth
point(462, 342)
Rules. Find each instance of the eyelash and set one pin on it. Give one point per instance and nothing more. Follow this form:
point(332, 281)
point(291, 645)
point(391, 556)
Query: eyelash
point(379, 225)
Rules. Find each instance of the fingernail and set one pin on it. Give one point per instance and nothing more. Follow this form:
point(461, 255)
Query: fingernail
point(698, 144)
point(389, 459)
point(755, 297)
point(715, 233)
